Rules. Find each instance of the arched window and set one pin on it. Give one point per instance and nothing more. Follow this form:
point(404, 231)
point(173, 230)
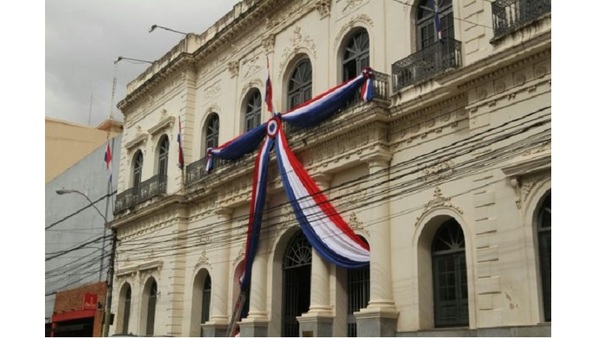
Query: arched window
point(149, 305)
point(300, 84)
point(252, 117)
point(356, 54)
point(138, 163)
point(127, 310)
point(206, 289)
point(151, 310)
point(124, 309)
point(544, 240)
point(163, 158)
point(212, 132)
point(296, 283)
point(426, 34)
point(451, 302)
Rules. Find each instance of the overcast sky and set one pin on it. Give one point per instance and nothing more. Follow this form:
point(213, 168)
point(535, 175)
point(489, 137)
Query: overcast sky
point(85, 37)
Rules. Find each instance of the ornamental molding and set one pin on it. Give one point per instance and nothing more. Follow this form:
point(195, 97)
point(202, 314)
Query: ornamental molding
point(437, 172)
point(203, 260)
point(212, 91)
point(543, 56)
point(147, 225)
point(250, 66)
point(234, 68)
point(268, 43)
point(287, 15)
point(324, 8)
point(529, 170)
point(141, 270)
point(165, 122)
point(354, 22)
point(438, 201)
point(138, 141)
point(297, 42)
point(254, 83)
point(356, 224)
point(285, 220)
point(351, 5)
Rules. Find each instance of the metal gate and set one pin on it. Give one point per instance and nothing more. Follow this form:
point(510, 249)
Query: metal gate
point(296, 283)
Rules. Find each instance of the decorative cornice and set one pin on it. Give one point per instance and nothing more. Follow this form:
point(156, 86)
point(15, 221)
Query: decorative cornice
point(526, 171)
point(164, 123)
point(139, 268)
point(138, 140)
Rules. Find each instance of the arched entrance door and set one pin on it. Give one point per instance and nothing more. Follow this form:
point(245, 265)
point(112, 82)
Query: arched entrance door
point(296, 283)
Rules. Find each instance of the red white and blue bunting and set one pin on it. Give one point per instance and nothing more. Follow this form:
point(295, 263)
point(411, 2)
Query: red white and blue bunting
point(322, 225)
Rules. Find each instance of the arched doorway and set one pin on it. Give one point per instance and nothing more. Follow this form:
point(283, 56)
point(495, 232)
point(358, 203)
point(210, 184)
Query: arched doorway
point(296, 283)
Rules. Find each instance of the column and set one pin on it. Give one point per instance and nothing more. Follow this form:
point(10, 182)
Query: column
point(380, 317)
point(319, 318)
point(257, 322)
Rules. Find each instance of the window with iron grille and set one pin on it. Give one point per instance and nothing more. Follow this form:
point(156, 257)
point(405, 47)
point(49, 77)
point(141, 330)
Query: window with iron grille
point(426, 34)
point(138, 162)
point(356, 54)
point(206, 291)
point(296, 283)
point(358, 281)
point(253, 110)
point(450, 289)
point(544, 246)
point(163, 158)
point(126, 309)
point(300, 84)
point(152, 297)
point(212, 132)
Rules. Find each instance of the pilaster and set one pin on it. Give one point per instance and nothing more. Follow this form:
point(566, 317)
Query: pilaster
point(379, 318)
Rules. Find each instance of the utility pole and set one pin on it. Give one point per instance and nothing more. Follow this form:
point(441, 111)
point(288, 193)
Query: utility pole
point(109, 282)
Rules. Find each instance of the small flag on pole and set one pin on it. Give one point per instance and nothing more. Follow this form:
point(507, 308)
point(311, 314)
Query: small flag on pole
point(179, 141)
point(108, 160)
point(437, 23)
point(269, 90)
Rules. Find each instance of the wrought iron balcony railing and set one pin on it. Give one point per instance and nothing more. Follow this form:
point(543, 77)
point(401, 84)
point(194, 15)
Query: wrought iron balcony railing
point(510, 15)
point(426, 63)
point(149, 188)
point(195, 171)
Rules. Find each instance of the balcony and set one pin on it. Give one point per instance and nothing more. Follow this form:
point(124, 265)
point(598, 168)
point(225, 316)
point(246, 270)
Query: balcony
point(196, 173)
point(131, 197)
point(510, 15)
point(426, 63)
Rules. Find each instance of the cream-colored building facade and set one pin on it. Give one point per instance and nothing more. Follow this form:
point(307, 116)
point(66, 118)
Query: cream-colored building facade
point(446, 173)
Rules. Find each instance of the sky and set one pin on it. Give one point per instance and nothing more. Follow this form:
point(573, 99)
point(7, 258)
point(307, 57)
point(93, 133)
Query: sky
point(85, 37)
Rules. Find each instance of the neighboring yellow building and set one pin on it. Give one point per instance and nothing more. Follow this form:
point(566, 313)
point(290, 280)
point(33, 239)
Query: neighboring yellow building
point(446, 173)
point(67, 142)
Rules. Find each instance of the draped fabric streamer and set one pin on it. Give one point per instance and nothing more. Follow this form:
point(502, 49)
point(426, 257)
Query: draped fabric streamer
point(322, 225)
point(324, 228)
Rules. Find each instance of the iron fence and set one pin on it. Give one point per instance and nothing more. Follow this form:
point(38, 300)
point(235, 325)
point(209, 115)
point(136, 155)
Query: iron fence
point(424, 64)
point(510, 15)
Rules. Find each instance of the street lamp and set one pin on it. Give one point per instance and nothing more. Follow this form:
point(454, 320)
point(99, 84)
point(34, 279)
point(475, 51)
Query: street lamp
point(109, 276)
point(70, 191)
point(130, 59)
point(153, 27)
